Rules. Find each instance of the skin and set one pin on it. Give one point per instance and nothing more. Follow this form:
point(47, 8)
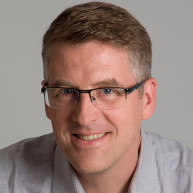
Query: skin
point(91, 65)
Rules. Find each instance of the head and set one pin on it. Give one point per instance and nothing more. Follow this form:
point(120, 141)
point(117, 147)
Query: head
point(98, 45)
point(107, 24)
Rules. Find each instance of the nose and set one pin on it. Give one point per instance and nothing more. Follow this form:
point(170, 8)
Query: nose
point(85, 113)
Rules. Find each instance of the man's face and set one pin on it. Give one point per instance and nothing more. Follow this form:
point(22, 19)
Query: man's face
point(87, 66)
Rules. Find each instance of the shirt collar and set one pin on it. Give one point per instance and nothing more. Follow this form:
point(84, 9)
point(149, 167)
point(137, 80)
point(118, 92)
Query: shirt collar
point(145, 178)
point(64, 179)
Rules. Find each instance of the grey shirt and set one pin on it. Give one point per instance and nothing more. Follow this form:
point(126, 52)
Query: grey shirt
point(38, 166)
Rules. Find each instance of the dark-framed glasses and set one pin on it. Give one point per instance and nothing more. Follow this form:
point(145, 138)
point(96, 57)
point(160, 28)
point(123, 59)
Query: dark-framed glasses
point(103, 98)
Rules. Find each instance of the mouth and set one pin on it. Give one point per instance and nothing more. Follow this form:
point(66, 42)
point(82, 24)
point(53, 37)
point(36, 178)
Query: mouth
point(90, 137)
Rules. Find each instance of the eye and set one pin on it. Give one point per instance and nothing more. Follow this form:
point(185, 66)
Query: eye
point(111, 91)
point(107, 91)
point(65, 91)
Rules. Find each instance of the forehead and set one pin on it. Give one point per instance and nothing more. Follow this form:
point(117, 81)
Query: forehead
point(88, 63)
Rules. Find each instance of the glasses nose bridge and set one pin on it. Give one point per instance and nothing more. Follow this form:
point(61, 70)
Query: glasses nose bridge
point(84, 91)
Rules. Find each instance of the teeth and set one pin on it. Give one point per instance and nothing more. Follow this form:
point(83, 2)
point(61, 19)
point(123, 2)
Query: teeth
point(90, 137)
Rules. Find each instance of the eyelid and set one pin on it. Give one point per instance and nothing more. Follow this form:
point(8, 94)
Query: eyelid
point(114, 89)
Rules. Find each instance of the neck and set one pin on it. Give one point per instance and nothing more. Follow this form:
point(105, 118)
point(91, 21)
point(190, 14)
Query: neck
point(115, 179)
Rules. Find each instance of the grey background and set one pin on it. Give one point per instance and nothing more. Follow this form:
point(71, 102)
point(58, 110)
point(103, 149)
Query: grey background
point(22, 25)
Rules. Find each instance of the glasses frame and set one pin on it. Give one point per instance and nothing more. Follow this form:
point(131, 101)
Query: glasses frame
point(127, 90)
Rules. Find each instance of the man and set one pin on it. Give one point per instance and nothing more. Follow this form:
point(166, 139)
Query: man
point(97, 88)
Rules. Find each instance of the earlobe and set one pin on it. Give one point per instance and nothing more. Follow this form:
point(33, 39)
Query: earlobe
point(149, 98)
point(47, 111)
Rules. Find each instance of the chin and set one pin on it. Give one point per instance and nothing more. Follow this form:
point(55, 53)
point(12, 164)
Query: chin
point(89, 164)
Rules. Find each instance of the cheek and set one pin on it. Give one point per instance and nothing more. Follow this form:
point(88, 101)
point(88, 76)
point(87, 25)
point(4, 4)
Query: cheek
point(129, 116)
point(126, 120)
point(60, 119)
point(60, 123)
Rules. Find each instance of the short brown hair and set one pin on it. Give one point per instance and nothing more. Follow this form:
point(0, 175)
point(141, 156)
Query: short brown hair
point(106, 23)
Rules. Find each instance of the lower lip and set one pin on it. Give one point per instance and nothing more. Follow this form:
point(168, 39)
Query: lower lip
point(88, 144)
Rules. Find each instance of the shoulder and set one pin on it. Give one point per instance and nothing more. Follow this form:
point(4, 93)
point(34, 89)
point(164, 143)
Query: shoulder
point(25, 160)
point(42, 145)
point(171, 150)
point(174, 163)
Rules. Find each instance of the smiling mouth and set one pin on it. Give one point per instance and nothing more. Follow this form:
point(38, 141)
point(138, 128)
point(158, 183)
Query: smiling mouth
point(90, 137)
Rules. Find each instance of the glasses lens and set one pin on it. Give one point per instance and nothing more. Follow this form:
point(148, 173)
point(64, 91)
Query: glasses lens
point(61, 97)
point(108, 98)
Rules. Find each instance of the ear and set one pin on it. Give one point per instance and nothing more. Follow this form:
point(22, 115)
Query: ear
point(42, 83)
point(149, 98)
point(46, 106)
point(47, 109)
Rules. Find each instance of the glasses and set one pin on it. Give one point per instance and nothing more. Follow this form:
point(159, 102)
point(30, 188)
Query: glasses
point(102, 98)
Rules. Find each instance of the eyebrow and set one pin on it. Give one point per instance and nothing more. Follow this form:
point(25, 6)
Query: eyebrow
point(63, 83)
point(108, 82)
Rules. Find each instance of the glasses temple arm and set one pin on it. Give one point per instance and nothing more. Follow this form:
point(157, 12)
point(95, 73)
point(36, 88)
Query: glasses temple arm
point(130, 90)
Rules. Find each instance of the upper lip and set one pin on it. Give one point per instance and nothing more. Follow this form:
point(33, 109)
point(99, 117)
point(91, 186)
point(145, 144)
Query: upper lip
point(77, 130)
point(88, 134)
